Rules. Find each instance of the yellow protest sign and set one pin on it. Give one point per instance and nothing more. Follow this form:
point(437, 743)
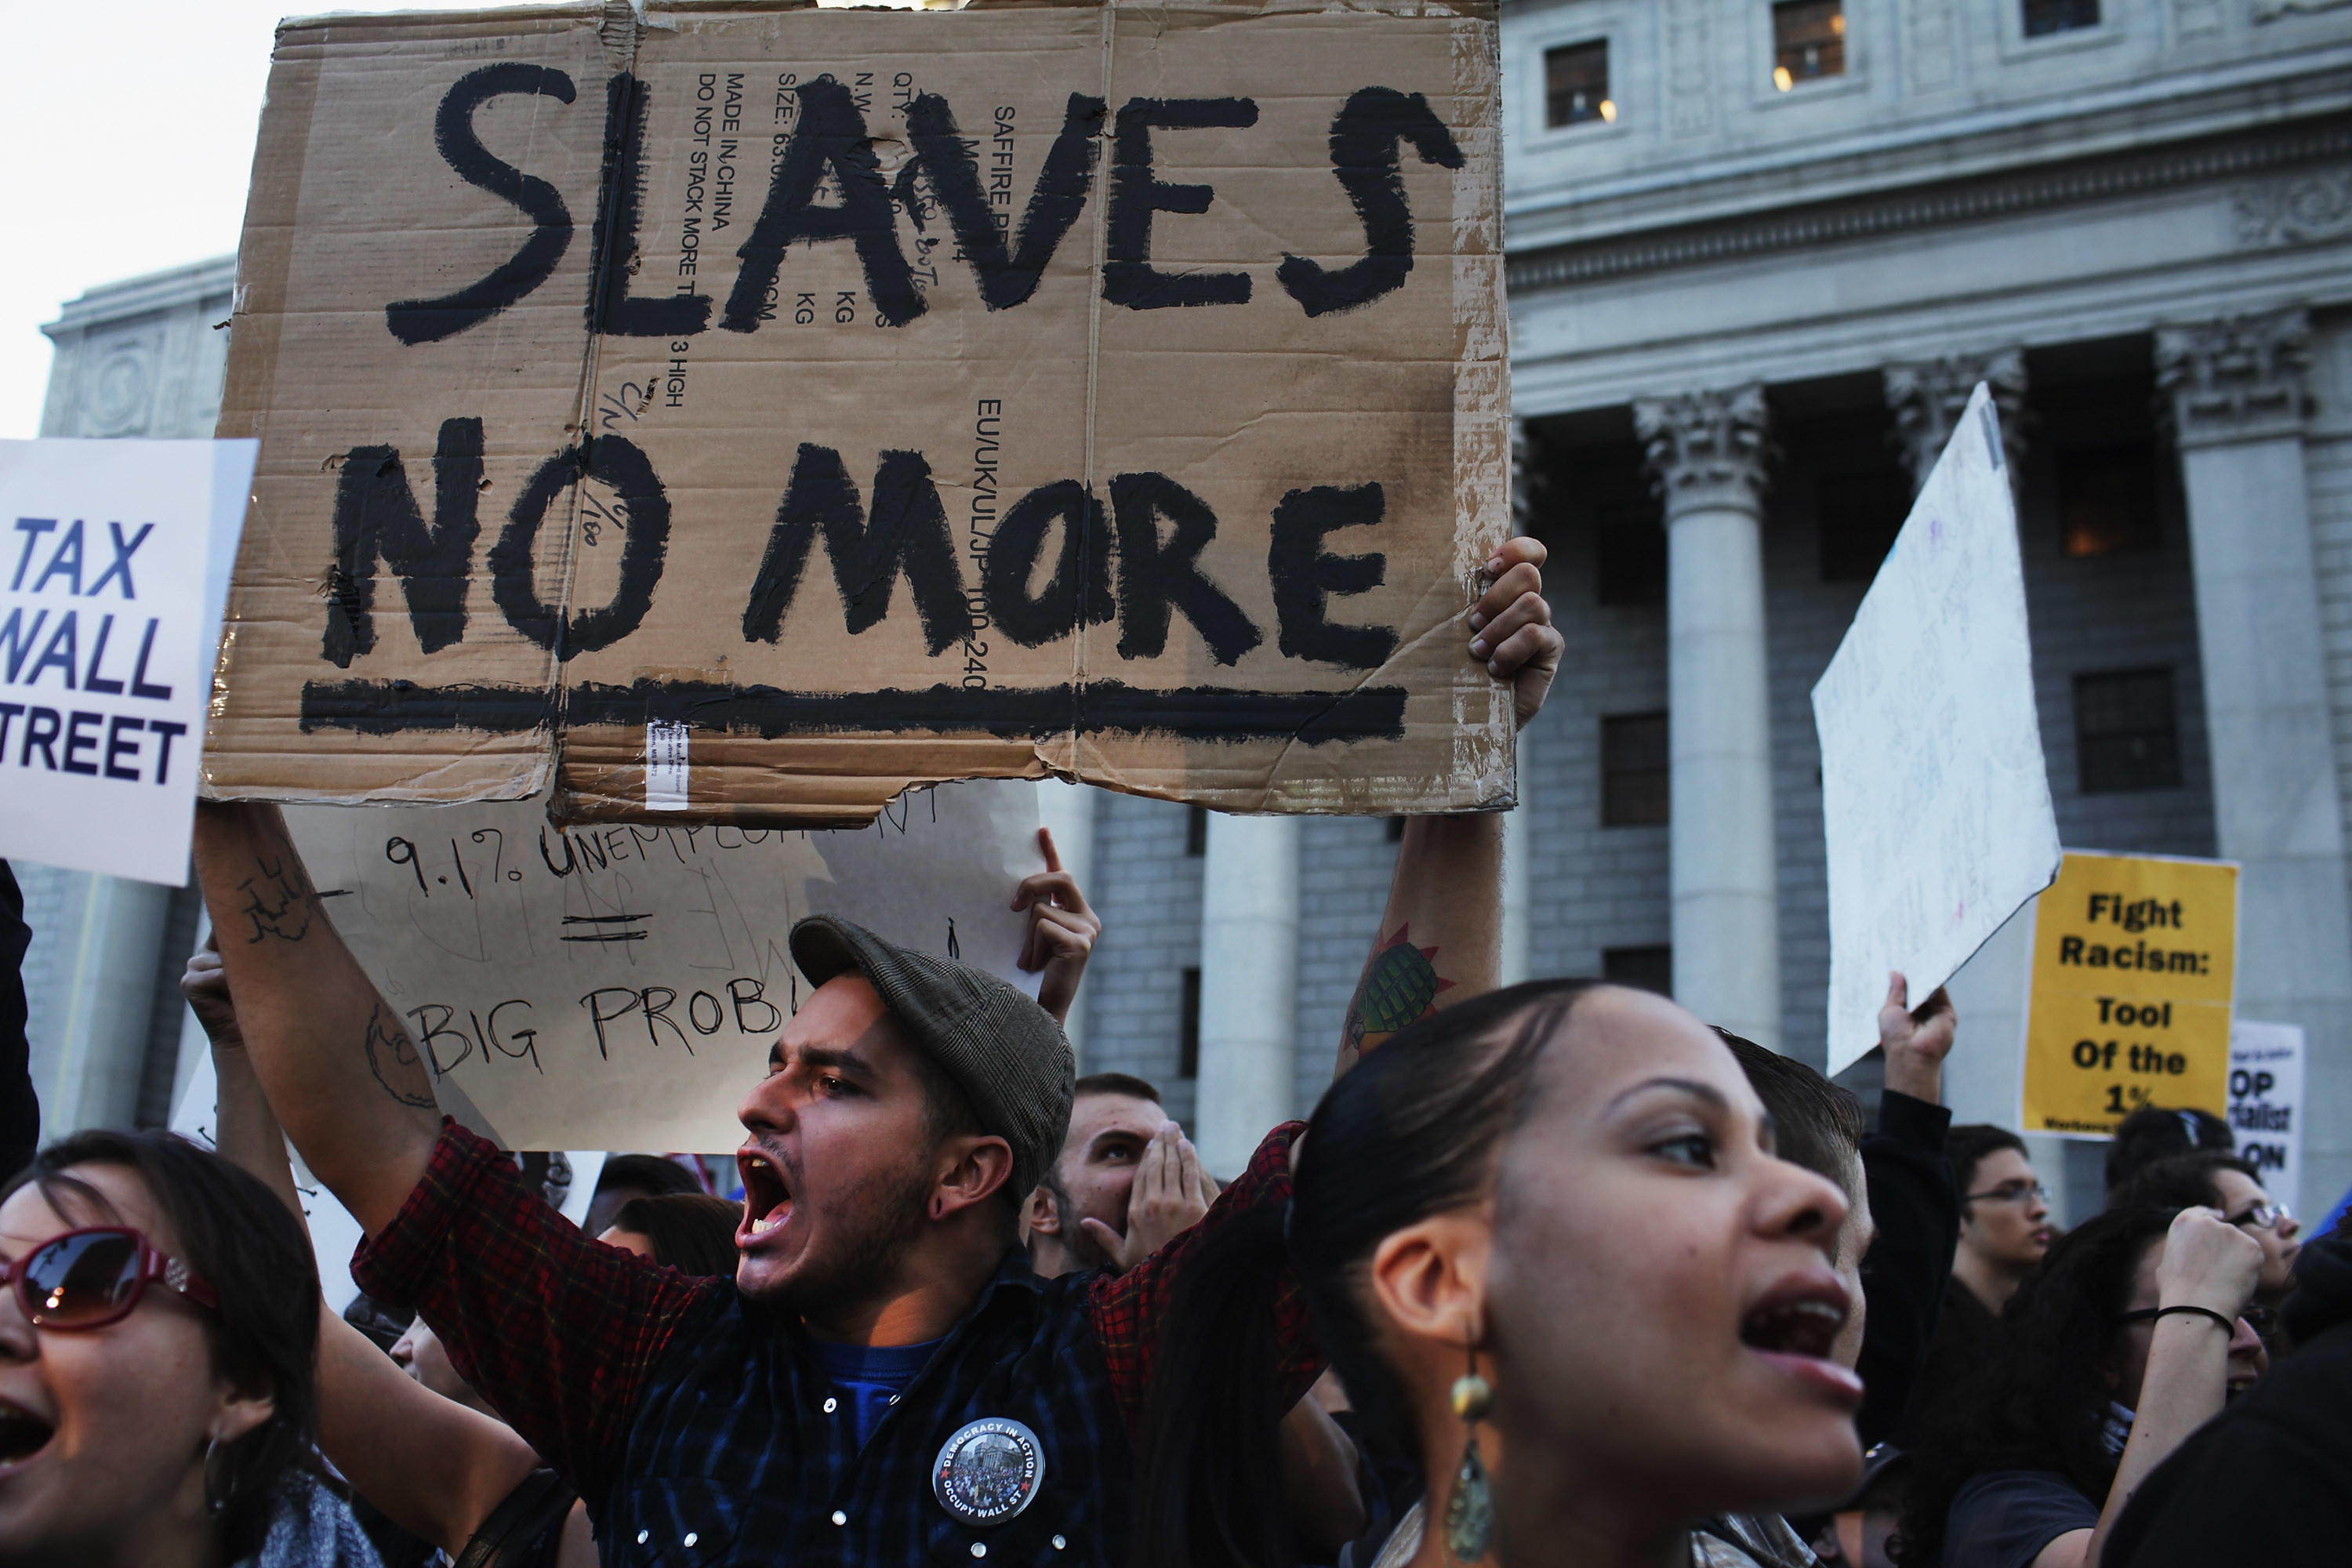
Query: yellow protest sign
point(2134, 968)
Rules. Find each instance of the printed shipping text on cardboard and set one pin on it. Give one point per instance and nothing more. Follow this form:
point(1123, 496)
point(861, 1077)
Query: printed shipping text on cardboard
point(2134, 977)
point(745, 413)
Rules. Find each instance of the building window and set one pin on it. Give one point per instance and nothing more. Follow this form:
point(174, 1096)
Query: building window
point(2107, 498)
point(1196, 830)
point(2044, 17)
point(1633, 777)
point(1576, 85)
point(1650, 968)
point(1808, 41)
point(1188, 1027)
point(2126, 733)
point(1860, 515)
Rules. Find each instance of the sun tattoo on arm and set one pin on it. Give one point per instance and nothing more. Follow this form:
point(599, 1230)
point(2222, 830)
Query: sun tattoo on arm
point(388, 1049)
point(1401, 987)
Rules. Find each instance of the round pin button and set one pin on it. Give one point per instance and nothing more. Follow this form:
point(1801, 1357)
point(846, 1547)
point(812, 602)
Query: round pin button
point(839, 1517)
point(831, 1404)
point(1060, 1544)
point(692, 1538)
point(989, 1470)
point(644, 1536)
point(980, 1549)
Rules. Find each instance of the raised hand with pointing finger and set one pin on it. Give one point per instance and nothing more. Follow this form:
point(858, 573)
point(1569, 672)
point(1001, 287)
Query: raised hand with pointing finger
point(1061, 930)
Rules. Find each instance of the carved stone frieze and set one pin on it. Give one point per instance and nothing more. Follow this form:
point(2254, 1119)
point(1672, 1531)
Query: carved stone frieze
point(2239, 379)
point(2295, 209)
point(1706, 449)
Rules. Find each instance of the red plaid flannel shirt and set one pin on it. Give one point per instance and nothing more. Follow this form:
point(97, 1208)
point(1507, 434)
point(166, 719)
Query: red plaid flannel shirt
point(564, 1335)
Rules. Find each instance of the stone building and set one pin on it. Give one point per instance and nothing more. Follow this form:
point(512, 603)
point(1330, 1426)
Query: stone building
point(1759, 253)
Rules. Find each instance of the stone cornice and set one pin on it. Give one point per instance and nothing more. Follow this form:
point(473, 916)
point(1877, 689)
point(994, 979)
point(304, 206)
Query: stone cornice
point(1901, 212)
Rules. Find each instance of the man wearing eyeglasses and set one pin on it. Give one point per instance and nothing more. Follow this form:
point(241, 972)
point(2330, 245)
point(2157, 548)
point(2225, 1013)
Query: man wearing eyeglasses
point(2004, 1230)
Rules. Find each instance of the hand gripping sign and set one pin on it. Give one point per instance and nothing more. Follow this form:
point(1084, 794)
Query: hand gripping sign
point(743, 412)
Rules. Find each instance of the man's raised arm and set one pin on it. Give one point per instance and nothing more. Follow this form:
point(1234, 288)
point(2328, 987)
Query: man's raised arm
point(1440, 939)
point(345, 1079)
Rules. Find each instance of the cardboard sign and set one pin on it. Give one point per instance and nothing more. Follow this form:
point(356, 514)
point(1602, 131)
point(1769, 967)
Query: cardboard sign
point(2135, 972)
point(112, 572)
point(619, 986)
point(2266, 1103)
point(1934, 797)
point(744, 412)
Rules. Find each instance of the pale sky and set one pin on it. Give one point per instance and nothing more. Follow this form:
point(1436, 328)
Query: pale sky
point(134, 123)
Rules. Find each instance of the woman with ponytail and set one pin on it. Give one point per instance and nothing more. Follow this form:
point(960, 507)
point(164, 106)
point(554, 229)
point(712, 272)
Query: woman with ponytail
point(1547, 1245)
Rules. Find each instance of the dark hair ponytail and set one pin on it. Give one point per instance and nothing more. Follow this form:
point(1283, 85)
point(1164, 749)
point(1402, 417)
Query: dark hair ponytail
point(238, 1238)
point(1412, 1132)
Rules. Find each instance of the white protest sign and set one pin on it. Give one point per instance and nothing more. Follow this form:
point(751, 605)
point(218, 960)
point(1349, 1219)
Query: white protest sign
point(334, 1234)
point(112, 576)
point(619, 986)
point(2266, 1103)
point(1934, 796)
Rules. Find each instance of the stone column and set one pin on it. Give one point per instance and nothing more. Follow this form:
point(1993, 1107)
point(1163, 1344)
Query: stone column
point(1707, 452)
point(1929, 396)
point(1068, 811)
point(1249, 986)
point(2238, 402)
point(90, 977)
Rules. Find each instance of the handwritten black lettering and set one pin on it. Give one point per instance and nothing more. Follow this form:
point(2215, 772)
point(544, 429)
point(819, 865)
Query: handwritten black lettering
point(1305, 577)
point(376, 517)
point(414, 322)
point(944, 160)
point(1367, 136)
point(612, 310)
point(909, 532)
point(1155, 577)
point(618, 462)
point(829, 135)
point(1128, 276)
point(1083, 560)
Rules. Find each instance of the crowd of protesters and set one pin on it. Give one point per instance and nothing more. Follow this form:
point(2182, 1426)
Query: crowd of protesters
point(1555, 1275)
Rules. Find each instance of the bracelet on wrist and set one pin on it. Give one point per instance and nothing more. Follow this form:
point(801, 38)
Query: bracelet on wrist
point(2150, 1314)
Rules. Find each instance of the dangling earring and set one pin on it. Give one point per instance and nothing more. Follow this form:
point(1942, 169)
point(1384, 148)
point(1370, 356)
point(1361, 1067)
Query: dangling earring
point(218, 1495)
point(1470, 1512)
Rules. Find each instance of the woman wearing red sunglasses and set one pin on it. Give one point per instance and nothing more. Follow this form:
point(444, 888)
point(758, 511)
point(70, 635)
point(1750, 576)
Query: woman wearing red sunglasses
point(158, 1344)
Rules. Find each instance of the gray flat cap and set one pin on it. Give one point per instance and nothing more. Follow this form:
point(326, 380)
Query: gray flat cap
point(1005, 1052)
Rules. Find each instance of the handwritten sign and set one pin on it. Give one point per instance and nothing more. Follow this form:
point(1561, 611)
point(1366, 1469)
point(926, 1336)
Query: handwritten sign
point(618, 987)
point(1935, 801)
point(2134, 972)
point(2266, 1062)
point(743, 413)
point(112, 572)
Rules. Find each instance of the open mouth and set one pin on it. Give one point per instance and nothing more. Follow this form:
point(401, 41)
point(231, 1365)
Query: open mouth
point(767, 1197)
point(1807, 1327)
point(22, 1433)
